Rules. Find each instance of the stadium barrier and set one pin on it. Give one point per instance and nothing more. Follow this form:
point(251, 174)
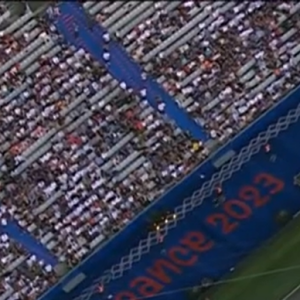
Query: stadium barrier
point(219, 242)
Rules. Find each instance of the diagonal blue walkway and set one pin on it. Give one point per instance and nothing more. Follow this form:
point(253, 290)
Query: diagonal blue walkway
point(15, 232)
point(121, 66)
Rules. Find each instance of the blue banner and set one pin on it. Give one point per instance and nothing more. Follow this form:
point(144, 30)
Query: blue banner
point(210, 240)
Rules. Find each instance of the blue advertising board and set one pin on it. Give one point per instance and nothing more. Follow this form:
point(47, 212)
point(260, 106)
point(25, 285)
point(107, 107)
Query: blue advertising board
point(209, 240)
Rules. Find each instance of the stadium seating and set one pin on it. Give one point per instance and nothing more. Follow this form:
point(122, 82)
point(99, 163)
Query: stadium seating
point(208, 56)
point(81, 156)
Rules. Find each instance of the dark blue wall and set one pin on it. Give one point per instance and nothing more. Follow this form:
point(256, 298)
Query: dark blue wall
point(227, 249)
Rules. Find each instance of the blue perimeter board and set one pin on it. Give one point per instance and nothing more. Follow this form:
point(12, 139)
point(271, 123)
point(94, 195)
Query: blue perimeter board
point(228, 249)
point(223, 250)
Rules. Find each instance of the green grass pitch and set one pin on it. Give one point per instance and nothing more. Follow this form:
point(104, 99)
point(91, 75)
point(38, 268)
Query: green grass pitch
point(270, 273)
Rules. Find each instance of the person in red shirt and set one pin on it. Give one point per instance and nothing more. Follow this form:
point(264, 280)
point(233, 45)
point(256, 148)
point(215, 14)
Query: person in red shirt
point(74, 139)
point(219, 190)
point(160, 238)
point(100, 288)
point(220, 198)
point(267, 148)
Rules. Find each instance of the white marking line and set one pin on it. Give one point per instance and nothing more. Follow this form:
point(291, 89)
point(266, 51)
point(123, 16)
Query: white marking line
point(292, 292)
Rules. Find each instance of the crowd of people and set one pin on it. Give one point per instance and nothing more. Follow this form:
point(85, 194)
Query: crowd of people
point(81, 155)
point(237, 62)
point(23, 275)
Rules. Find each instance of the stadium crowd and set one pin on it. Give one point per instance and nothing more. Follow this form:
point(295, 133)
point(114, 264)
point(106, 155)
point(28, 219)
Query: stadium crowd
point(81, 155)
point(234, 63)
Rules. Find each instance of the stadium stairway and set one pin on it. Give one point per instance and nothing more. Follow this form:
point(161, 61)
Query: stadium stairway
point(15, 232)
point(121, 66)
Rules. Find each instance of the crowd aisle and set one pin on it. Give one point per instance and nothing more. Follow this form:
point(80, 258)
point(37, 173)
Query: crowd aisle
point(120, 65)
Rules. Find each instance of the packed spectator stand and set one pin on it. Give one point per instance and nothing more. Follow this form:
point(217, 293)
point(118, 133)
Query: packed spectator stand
point(81, 155)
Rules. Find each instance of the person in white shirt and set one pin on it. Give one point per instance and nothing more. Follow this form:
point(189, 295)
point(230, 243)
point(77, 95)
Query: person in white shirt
point(143, 93)
point(106, 56)
point(123, 85)
point(144, 75)
point(106, 37)
point(161, 107)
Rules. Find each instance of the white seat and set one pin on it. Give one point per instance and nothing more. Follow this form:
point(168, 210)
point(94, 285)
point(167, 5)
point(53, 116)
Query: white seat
point(14, 94)
point(128, 26)
point(130, 16)
point(165, 44)
point(35, 55)
point(5, 16)
point(26, 28)
point(18, 23)
point(138, 162)
point(39, 152)
point(21, 55)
